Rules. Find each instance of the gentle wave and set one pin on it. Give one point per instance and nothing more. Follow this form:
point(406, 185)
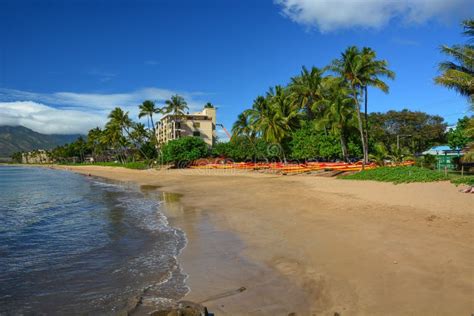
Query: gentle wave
point(70, 244)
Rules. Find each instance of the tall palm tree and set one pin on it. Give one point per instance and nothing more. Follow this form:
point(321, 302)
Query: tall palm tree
point(360, 69)
point(176, 105)
point(306, 88)
point(148, 109)
point(458, 74)
point(339, 110)
point(350, 67)
point(374, 69)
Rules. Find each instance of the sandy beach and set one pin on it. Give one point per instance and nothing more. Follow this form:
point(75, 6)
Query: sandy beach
point(316, 246)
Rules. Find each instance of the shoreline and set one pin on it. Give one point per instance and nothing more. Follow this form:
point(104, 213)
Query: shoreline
point(346, 247)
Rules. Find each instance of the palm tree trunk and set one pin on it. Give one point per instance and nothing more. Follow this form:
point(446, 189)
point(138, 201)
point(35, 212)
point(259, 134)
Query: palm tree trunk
point(153, 128)
point(361, 130)
point(344, 147)
point(134, 143)
point(366, 134)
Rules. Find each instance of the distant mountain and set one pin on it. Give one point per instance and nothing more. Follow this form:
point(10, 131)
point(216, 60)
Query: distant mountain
point(18, 138)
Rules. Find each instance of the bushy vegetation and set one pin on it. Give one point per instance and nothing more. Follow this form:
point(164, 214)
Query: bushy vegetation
point(129, 165)
point(468, 180)
point(181, 152)
point(426, 161)
point(408, 174)
point(241, 148)
point(308, 143)
point(398, 175)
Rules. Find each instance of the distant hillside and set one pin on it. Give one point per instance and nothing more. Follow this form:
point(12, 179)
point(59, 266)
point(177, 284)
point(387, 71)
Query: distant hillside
point(19, 138)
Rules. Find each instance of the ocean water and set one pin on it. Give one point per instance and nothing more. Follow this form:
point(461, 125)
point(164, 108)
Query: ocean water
point(71, 244)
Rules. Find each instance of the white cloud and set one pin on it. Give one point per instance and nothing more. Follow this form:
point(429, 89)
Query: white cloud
point(72, 112)
point(47, 120)
point(329, 15)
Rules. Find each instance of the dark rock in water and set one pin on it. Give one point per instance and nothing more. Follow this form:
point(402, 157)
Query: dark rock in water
point(183, 308)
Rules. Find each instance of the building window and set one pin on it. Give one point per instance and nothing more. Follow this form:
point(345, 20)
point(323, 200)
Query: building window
point(197, 134)
point(178, 125)
point(196, 124)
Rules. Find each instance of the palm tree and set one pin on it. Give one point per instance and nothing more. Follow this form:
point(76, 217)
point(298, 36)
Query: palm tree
point(350, 67)
point(360, 69)
point(459, 73)
point(380, 154)
point(273, 117)
point(176, 105)
point(306, 88)
point(114, 139)
point(374, 69)
point(120, 122)
point(339, 109)
point(148, 108)
point(243, 126)
point(94, 141)
point(139, 133)
point(121, 119)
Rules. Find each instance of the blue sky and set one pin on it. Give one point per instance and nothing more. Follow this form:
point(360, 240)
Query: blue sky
point(65, 64)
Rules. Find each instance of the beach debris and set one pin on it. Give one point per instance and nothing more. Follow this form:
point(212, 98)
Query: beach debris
point(395, 262)
point(224, 294)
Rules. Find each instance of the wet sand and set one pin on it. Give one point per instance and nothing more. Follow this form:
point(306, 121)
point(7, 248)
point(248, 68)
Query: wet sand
point(317, 246)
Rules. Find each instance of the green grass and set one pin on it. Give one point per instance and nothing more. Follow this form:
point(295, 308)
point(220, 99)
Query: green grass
point(399, 175)
point(469, 180)
point(129, 165)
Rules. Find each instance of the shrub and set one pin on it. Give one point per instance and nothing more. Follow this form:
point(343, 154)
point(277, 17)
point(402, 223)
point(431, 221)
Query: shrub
point(426, 161)
point(309, 143)
point(184, 150)
point(398, 175)
point(243, 149)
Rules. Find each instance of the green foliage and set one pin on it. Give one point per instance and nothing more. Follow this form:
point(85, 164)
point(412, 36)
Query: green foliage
point(17, 157)
point(416, 131)
point(184, 150)
point(273, 117)
point(128, 165)
point(398, 175)
point(176, 105)
point(380, 153)
point(246, 149)
point(426, 161)
point(458, 72)
point(310, 143)
point(354, 147)
point(459, 137)
point(468, 180)
point(469, 156)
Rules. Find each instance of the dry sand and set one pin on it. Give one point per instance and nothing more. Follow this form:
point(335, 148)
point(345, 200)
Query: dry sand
point(317, 246)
